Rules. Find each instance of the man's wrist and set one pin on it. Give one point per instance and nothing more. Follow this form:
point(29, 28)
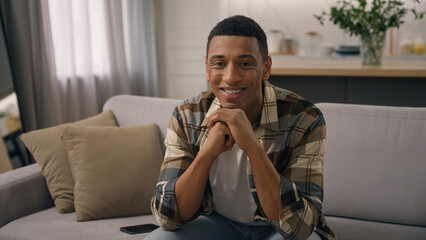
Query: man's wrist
point(206, 157)
point(254, 149)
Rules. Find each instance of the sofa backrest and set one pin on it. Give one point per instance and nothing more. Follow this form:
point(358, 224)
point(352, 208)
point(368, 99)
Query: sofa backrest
point(375, 164)
point(130, 110)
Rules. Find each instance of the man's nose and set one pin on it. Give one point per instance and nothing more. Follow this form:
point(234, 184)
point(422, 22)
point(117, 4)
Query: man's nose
point(232, 74)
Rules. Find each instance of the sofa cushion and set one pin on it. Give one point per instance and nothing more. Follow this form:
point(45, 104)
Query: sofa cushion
point(115, 169)
point(374, 167)
point(50, 153)
point(48, 224)
point(347, 228)
point(149, 110)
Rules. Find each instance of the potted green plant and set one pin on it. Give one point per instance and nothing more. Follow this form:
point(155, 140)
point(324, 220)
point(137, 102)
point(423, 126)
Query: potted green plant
point(370, 20)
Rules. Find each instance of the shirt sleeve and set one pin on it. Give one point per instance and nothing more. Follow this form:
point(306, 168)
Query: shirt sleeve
point(301, 184)
point(177, 156)
point(180, 152)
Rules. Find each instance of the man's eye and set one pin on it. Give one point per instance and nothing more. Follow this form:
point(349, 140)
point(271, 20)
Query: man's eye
point(219, 64)
point(245, 64)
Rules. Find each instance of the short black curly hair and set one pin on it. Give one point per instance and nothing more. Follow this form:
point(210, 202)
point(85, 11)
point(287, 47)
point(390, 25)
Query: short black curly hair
point(239, 25)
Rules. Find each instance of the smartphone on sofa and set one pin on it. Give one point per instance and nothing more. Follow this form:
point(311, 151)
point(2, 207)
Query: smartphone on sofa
point(143, 228)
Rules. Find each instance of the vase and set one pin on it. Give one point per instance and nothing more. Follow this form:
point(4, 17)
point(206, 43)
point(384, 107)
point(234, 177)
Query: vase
point(372, 48)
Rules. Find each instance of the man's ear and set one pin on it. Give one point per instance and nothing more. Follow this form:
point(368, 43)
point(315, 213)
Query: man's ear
point(267, 69)
point(207, 72)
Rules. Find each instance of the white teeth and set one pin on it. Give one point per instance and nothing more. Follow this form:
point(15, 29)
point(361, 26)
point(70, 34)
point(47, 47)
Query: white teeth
point(232, 91)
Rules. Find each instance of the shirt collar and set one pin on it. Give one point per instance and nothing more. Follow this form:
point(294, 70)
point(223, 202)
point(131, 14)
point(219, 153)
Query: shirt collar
point(215, 105)
point(269, 115)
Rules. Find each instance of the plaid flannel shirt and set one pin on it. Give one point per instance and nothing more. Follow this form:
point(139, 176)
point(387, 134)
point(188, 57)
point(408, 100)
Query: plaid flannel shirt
point(291, 131)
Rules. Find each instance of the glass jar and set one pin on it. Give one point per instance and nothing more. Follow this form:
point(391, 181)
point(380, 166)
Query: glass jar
point(312, 44)
point(289, 46)
point(406, 47)
point(274, 41)
point(419, 46)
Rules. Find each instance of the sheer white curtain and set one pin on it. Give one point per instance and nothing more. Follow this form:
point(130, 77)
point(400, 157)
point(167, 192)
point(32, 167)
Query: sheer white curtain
point(102, 48)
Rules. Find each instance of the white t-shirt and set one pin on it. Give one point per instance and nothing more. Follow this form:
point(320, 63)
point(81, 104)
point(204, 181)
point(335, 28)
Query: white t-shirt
point(230, 186)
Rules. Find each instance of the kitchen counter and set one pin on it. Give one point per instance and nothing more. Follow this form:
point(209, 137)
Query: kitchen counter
point(349, 67)
point(397, 82)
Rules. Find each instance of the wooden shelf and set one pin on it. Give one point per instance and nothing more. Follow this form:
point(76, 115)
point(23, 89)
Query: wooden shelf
point(347, 67)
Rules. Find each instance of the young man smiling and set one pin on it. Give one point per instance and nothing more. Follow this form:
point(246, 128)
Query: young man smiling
point(246, 155)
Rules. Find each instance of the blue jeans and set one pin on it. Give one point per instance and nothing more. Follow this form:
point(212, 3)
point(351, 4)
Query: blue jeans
point(216, 226)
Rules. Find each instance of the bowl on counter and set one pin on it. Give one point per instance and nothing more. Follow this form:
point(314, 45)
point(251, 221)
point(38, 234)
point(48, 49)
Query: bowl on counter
point(348, 50)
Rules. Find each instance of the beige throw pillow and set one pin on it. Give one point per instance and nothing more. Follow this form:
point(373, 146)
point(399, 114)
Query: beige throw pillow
point(50, 153)
point(115, 169)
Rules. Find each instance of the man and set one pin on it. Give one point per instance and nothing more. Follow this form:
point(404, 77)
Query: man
point(246, 155)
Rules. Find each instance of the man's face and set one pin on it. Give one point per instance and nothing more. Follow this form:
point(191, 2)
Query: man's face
point(235, 71)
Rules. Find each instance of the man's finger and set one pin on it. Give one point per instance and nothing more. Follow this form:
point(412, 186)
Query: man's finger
point(229, 139)
point(220, 115)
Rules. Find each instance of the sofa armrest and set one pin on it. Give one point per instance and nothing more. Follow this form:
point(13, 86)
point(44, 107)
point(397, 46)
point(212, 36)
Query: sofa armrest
point(22, 191)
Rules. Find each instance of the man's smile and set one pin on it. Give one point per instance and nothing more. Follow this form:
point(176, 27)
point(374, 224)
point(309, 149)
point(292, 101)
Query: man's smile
point(232, 91)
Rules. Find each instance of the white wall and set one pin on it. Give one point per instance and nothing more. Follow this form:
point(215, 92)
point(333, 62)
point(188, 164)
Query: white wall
point(182, 30)
point(295, 18)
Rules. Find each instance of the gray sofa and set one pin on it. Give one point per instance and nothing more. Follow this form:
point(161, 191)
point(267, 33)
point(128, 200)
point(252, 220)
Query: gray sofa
point(374, 175)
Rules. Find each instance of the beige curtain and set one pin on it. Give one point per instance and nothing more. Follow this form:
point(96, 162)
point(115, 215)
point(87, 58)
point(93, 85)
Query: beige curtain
point(31, 58)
